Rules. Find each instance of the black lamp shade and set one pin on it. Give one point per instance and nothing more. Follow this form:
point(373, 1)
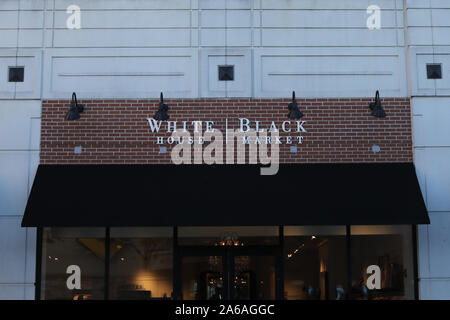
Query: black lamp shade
point(161, 113)
point(294, 111)
point(377, 108)
point(73, 114)
point(75, 109)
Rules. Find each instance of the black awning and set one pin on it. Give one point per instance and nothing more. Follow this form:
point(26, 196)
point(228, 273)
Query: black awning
point(203, 195)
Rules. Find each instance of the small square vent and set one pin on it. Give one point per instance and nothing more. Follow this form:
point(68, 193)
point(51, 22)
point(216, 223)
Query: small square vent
point(434, 71)
point(226, 73)
point(16, 74)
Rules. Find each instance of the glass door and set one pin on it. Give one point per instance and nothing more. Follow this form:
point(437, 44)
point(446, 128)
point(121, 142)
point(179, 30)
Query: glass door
point(254, 277)
point(202, 278)
point(228, 273)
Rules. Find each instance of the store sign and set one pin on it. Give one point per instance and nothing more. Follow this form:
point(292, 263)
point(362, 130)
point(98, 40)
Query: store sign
point(209, 145)
point(245, 130)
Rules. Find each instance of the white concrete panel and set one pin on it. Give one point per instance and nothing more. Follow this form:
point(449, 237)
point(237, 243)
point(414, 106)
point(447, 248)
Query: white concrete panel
point(119, 73)
point(49, 17)
point(121, 38)
point(420, 165)
point(31, 87)
point(329, 37)
point(30, 291)
point(434, 166)
point(330, 4)
point(420, 56)
point(195, 38)
point(235, 18)
point(424, 4)
point(30, 38)
point(443, 85)
point(13, 241)
point(441, 17)
point(234, 37)
point(9, 5)
point(124, 4)
point(420, 36)
point(419, 18)
point(439, 3)
point(17, 291)
point(441, 36)
point(329, 72)
point(423, 83)
point(222, 4)
point(30, 258)
point(29, 59)
point(8, 38)
point(117, 19)
point(8, 19)
point(434, 289)
point(31, 19)
point(7, 60)
point(48, 38)
point(438, 246)
point(16, 174)
point(431, 122)
point(212, 87)
point(257, 37)
point(437, 36)
point(24, 4)
point(423, 245)
point(19, 125)
point(418, 3)
point(320, 18)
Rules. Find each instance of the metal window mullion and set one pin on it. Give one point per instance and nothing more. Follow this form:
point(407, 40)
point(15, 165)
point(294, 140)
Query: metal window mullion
point(349, 261)
point(38, 267)
point(176, 268)
point(279, 285)
point(107, 263)
point(415, 261)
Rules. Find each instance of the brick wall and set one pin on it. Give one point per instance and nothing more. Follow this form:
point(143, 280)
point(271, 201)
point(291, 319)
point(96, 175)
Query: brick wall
point(117, 131)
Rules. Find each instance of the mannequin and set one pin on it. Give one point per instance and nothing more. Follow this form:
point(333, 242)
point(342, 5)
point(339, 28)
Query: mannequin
point(340, 293)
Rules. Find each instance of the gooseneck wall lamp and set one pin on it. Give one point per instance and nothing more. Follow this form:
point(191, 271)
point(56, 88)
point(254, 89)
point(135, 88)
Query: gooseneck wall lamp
point(75, 109)
point(161, 114)
point(294, 112)
point(377, 108)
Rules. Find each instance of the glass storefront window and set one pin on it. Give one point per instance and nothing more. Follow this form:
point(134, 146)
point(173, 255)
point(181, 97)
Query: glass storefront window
point(228, 236)
point(73, 263)
point(382, 262)
point(229, 263)
point(141, 261)
point(315, 263)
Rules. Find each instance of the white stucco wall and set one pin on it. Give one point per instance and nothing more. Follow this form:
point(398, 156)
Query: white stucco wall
point(137, 48)
point(19, 157)
point(429, 35)
point(432, 157)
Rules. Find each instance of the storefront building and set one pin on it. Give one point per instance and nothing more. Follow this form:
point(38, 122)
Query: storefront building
point(118, 220)
point(231, 192)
